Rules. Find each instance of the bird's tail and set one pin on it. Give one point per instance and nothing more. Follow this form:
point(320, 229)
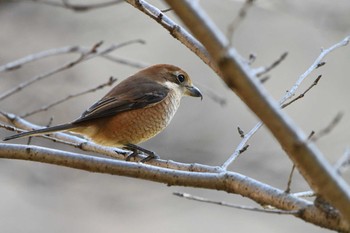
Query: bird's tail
point(42, 131)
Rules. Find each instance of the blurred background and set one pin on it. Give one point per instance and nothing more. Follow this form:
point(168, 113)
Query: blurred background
point(44, 198)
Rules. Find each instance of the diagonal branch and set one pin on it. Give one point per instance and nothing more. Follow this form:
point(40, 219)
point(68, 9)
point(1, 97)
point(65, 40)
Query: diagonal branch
point(238, 76)
point(176, 31)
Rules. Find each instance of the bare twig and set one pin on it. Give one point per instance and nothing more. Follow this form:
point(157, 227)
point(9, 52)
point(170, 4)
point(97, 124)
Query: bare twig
point(124, 61)
point(289, 183)
point(305, 194)
point(302, 94)
point(83, 57)
point(290, 93)
point(241, 207)
point(78, 7)
point(314, 66)
point(239, 18)
point(343, 162)
point(328, 128)
point(212, 95)
point(43, 54)
point(263, 70)
point(64, 50)
point(45, 108)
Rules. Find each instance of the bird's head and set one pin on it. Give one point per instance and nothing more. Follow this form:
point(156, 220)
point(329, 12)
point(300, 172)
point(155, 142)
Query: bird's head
point(175, 78)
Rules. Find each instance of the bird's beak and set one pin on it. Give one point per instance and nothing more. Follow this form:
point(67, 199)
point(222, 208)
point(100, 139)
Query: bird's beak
point(193, 91)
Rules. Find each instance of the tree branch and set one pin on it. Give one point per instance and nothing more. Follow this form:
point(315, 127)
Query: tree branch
point(83, 57)
point(226, 181)
point(78, 7)
point(241, 207)
point(238, 76)
point(64, 50)
point(176, 31)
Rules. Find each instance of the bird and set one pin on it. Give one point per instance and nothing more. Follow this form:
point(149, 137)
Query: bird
point(135, 110)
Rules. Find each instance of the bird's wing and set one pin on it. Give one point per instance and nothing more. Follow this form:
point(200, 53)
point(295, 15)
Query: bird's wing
point(125, 97)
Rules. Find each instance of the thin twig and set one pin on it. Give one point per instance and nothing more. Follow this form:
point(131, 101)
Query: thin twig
point(289, 183)
point(314, 66)
point(45, 108)
point(302, 94)
point(287, 96)
point(40, 55)
point(263, 70)
point(92, 53)
point(241, 207)
point(124, 61)
point(305, 194)
point(212, 95)
point(328, 128)
point(239, 18)
point(78, 7)
point(65, 50)
point(343, 162)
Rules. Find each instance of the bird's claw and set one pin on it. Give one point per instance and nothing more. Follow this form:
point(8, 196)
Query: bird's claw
point(135, 151)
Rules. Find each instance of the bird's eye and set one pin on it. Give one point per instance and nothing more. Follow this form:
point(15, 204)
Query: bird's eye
point(181, 78)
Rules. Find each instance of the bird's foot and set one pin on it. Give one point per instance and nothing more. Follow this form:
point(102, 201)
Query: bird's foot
point(135, 151)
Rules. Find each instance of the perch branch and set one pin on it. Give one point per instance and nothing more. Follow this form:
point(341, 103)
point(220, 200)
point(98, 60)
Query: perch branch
point(226, 181)
point(101, 150)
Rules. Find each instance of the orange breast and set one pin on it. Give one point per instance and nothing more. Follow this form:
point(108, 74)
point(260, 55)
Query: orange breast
point(134, 126)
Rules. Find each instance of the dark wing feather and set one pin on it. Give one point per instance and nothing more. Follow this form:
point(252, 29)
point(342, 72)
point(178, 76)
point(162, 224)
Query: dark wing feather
point(125, 97)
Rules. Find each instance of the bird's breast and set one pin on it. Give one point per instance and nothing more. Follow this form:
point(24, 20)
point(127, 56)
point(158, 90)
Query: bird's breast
point(135, 126)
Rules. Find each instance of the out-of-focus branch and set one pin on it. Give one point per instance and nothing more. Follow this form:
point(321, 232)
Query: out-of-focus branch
point(343, 162)
point(238, 76)
point(65, 50)
point(227, 181)
point(78, 7)
point(328, 128)
point(83, 57)
point(263, 70)
point(110, 82)
point(239, 18)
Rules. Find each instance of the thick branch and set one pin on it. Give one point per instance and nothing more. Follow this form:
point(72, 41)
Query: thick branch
point(176, 31)
point(238, 76)
point(226, 181)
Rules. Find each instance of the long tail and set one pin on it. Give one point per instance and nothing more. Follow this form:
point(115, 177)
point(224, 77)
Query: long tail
point(42, 131)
